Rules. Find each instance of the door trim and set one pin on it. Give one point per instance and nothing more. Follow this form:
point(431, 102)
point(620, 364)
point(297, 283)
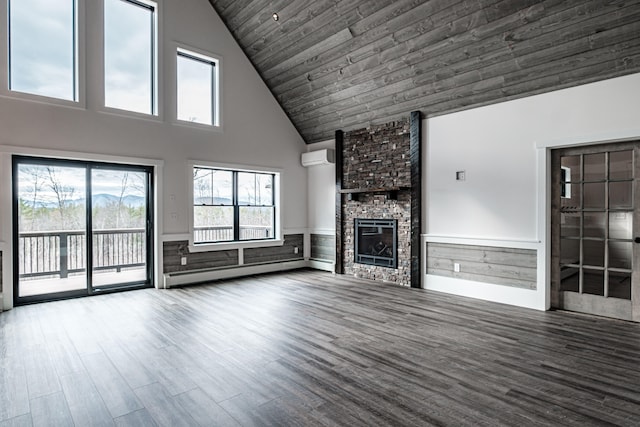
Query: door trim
point(6, 207)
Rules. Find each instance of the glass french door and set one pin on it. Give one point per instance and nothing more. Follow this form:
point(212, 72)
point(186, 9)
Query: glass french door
point(594, 223)
point(80, 228)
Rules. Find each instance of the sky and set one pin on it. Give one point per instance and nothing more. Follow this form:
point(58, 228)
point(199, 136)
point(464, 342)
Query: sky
point(72, 180)
point(42, 49)
point(194, 89)
point(128, 60)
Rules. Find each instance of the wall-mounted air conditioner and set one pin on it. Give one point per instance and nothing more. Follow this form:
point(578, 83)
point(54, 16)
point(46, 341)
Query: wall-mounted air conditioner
point(320, 157)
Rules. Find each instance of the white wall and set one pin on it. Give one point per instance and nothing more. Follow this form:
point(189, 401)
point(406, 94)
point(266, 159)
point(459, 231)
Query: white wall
point(321, 190)
point(503, 149)
point(256, 131)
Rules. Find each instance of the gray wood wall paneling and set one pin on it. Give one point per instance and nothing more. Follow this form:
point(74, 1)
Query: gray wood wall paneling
point(173, 251)
point(500, 266)
point(277, 253)
point(323, 247)
point(407, 55)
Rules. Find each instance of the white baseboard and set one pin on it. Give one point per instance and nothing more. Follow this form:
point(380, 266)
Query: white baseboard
point(485, 291)
point(187, 278)
point(317, 264)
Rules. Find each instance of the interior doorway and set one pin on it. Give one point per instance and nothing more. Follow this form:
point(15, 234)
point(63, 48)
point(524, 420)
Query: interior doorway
point(594, 220)
point(80, 228)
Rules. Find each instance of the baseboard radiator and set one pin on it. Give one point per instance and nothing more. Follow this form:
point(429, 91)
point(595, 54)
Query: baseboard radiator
point(193, 277)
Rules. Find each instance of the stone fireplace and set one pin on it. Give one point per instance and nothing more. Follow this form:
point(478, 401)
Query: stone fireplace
point(378, 202)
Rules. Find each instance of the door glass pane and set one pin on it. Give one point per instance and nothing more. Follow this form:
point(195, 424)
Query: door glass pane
point(621, 165)
point(119, 224)
point(571, 166)
point(620, 225)
point(570, 279)
point(620, 254)
point(573, 200)
point(570, 224)
point(594, 167)
point(593, 254)
point(51, 229)
point(620, 195)
point(570, 251)
point(593, 282)
point(620, 285)
point(594, 224)
point(594, 195)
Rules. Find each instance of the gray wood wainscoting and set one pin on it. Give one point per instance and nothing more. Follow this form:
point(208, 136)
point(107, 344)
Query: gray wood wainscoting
point(198, 261)
point(488, 264)
point(286, 252)
point(323, 247)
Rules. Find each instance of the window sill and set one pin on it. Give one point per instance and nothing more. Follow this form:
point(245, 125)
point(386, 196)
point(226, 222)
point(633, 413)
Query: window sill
point(42, 99)
point(112, 111)
point(223, 246)
point(196, 125)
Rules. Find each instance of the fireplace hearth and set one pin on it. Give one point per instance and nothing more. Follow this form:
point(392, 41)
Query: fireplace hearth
point(376, 242)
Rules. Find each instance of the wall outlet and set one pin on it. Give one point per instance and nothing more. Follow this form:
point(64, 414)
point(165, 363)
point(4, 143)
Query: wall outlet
point(295, 249)
point(183, 260)
point(456, 267)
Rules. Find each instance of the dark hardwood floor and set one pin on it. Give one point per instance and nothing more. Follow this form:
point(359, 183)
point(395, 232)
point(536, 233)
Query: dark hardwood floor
point(309, 348)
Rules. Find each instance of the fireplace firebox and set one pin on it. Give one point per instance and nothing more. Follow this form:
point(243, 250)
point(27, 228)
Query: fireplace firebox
point(376, 242)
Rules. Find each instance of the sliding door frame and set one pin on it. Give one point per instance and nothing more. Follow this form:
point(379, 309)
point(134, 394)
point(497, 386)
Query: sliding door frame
point(89, 166)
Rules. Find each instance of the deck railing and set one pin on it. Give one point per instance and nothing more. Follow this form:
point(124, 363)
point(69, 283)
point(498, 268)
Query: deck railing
point(47, 253)
point(53, 253)
point(225, 233)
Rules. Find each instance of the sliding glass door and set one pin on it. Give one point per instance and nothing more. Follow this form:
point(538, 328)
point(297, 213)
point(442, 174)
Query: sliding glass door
point(51, 229)
point(118, 226)
point(79, 228)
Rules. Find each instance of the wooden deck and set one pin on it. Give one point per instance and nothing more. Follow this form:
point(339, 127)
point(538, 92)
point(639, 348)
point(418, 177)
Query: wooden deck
point(46, 286)
point(312, 349)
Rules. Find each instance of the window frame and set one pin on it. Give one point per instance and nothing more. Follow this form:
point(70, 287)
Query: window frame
point(276, 240)
point(217, 87)
point(214, 102)
point(156, 68)
point(79, 58)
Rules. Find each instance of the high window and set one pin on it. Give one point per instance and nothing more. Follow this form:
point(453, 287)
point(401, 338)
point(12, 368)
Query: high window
point(233, 205)
point(197, 82)
point(130, 55)
point(43, 48)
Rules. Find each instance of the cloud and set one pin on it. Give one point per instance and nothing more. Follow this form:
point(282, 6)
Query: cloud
point(128, 56)
point(42, 47)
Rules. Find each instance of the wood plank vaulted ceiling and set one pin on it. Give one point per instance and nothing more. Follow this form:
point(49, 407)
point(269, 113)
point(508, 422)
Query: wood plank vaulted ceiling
point(347, 64)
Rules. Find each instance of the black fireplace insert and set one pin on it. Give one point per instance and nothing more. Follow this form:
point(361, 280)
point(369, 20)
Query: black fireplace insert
point(376, 242)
